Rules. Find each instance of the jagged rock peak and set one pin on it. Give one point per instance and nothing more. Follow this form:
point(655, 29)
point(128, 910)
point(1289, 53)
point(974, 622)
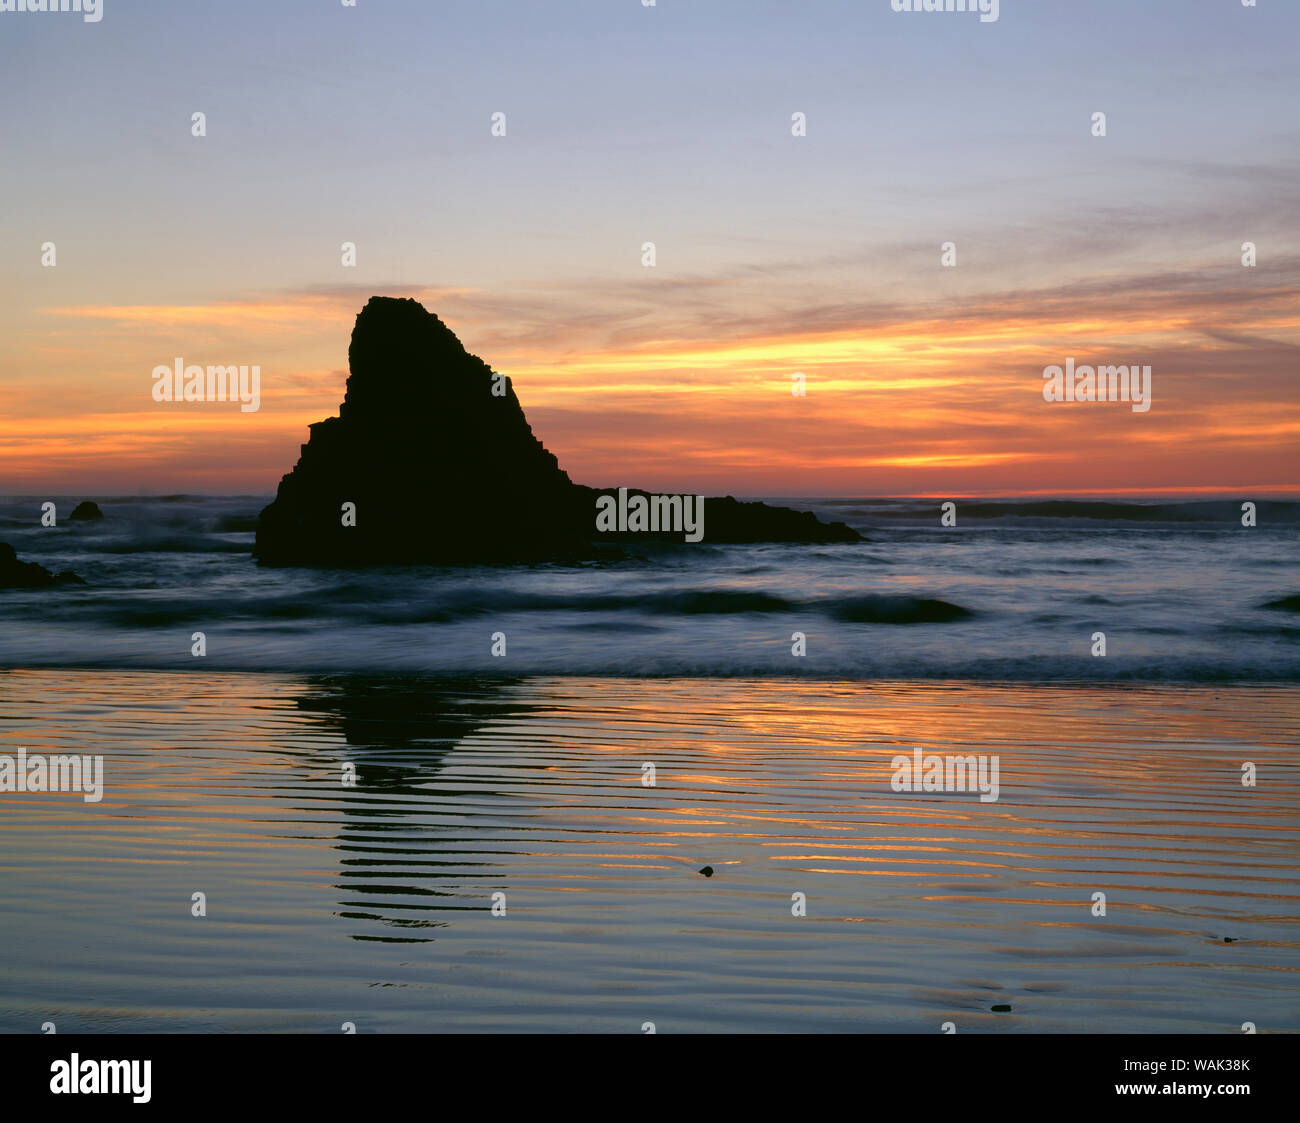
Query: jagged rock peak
point(431, 459)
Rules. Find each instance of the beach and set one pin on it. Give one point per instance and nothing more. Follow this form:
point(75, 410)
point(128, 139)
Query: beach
point(372, 904)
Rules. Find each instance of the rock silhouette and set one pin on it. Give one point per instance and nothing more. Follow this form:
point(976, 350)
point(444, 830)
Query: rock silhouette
point(15, 574)
point(86, 510)
point(442, 469)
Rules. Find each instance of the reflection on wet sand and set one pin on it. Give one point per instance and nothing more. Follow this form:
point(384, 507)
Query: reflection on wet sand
point(398, 733)
point(373, 902)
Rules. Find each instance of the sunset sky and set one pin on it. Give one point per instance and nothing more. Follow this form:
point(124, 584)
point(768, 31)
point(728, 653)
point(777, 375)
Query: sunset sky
point(670, 124)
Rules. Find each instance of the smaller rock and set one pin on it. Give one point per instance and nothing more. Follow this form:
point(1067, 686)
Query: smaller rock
point(86, 510)
point(15, 574)
point(707, 871)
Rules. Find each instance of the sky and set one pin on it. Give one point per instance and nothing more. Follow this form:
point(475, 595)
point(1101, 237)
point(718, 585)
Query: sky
point(774, 253)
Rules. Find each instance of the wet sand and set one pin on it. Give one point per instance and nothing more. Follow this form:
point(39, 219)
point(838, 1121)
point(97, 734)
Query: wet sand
point(373, 904)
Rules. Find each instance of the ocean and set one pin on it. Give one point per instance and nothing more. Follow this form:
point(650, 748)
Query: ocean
point(349, 813)
point(1015, 591)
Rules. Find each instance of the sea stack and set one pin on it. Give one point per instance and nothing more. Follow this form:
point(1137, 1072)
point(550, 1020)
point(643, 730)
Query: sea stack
point(85, 511)
point(431, 460)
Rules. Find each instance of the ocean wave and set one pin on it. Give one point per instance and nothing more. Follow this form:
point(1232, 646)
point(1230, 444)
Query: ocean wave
point(397, 603)
point(878, 609)
point(1226, 512)
point(177, 544)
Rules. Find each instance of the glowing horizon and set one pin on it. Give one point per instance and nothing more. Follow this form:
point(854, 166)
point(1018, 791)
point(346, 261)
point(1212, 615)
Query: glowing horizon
point(776, 254)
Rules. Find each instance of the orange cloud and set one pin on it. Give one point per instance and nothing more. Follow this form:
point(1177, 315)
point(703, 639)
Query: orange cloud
point(909, 400)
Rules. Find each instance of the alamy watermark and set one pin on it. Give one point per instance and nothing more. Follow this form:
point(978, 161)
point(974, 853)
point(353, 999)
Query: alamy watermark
point(181, 383)
point(115, 1078)
point(92, 11)
point(969, 773)
point(1102, 384)
point(988, 9)
point(653, 513)
point(37, 773)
